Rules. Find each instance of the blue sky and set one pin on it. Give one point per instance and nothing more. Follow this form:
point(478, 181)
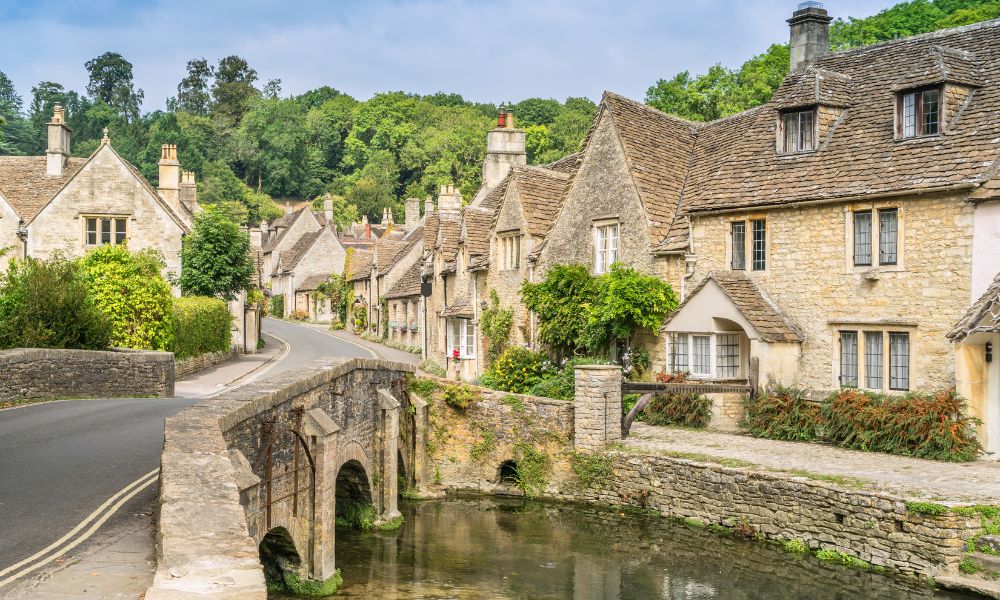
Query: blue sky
point(487, 51)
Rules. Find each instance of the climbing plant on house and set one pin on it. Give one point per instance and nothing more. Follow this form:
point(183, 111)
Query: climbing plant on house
point(562, 302)
point(496, 323)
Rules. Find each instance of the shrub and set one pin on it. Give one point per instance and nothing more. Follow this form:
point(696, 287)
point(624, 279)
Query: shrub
point(924, 425)
point(46, 304)
point(517, 370)
point(432, 367)
point(299, 315)
point(458, 397)
point(336, 325)
point(128, 288)
point(278, 305)
point(686, 410)
point(360, 319)
point(782, 413)
point(561, 383)
point(201, 325)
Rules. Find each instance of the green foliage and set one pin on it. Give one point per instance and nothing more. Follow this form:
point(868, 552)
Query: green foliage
point(383, 311)
point(847, 560)
point(484, 447)
point(686, 410)
point(562, 302)
point(310, 588)
point(782, 413)
point(593, 470)
point(357, 516)
point(532, 469)
point(432, 367)
point(926, 508)
point(201, 325)
point(560, 383)
point(910, 18)
point(495, 323)
point(215, 259)
point(344, 213)
point(425, 388)
point(795, 546)
point(459, 397)
point(923, 425)
point(968, 566)
point(111, 84)
point(361, 320)
point(47, 304)
point(278, 305)
point(129, 290)
point(516, 370)
point(340, 292)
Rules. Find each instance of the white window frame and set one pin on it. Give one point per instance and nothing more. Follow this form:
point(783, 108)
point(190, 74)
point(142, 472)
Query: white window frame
point(509, 249)
point(461, 335)
point(115, 224)
point(713, 353)
point(607, 239)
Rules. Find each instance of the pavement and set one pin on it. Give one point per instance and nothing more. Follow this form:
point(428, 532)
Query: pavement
point(914, 478)
point(78, 483)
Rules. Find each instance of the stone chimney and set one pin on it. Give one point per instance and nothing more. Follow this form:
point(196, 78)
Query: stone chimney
point(257, 236)
point(810, 34)
point(189, 191)
point(428, 206)
point(412, 217)
point(328, 209)
point(449, 200)
point(58, 151)
point(170, 175)
point(368, 227)
point(504, 149)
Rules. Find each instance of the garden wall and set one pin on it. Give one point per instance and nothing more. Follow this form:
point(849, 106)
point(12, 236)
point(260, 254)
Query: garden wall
point(188, 366)
point(35, 373)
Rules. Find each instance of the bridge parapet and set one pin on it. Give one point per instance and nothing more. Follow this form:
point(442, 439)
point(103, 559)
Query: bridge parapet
point(262, 463)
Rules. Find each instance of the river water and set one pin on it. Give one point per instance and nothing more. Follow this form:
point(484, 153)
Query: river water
point(480, 549)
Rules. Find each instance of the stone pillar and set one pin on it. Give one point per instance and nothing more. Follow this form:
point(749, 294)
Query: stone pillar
point(421, 418)
point(597, 408)
point(389, 488)
point(319, 426)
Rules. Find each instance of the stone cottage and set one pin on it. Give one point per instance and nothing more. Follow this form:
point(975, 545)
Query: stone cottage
point(61, 203)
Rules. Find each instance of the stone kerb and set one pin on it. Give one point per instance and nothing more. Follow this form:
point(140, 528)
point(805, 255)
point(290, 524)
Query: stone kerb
point(205, 549)
point(40, 373)
point(597, 408)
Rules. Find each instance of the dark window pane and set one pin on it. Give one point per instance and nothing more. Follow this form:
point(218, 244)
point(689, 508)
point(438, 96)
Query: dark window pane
point(899, 361)
point(759, 245)
point(791, 132)
point(849, 358)
point(806, 141)
point(863, 237)
point(105, 231)
point(888, 228)
point(873, 360)
point(92, 232)
point(739, 245)
point(930, 109)
point(120, 230)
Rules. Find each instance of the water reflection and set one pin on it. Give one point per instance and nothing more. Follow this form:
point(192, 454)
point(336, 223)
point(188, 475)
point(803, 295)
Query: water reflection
point(472, 549)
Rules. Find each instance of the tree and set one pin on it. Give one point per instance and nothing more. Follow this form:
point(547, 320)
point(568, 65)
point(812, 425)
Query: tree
point(626, 302)
point(194, 92)
point(215, 260)
point(272, 89)
point(233, 88)
point(128, 289)
point(344, 214)
point(46, 304)
point(370, 198)
point(111, 83)
point(562, 302)
point(10, 102)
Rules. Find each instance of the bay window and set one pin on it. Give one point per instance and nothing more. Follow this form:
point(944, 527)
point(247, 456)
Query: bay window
point(707, 355)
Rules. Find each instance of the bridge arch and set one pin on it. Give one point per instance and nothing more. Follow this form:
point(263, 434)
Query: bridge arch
point(278, 554)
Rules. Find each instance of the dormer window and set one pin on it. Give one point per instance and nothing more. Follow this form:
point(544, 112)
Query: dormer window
point(798, 131)
point(918, 113)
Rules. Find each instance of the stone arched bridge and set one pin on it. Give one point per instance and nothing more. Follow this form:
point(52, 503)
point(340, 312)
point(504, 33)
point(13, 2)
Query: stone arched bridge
point(295, 444)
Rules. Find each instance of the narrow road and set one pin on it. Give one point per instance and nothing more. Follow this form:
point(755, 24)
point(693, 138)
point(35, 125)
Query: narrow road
point(61, 461)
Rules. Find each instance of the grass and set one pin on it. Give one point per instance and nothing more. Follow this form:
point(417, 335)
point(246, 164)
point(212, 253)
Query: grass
point(425, 388)
point(795, 546)
point(514, 402)
point(926, 508)
point(705, 458)
point(834, 479)
point(847, 560)
point(392, 524)
point(310, 588)
point(968, 567)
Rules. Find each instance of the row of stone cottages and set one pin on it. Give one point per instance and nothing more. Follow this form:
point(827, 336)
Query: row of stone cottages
point(846, 233)
point(60, 203)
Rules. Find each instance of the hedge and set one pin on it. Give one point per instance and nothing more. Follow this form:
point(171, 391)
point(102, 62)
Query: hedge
point(202, 325)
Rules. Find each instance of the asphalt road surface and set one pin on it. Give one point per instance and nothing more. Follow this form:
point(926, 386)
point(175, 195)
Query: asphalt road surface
point(60, 461)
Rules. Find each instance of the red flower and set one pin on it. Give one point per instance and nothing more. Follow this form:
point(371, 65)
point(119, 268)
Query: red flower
point(455, 353)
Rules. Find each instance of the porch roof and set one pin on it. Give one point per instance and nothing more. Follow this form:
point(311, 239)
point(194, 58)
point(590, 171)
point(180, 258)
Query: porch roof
point(982, 317)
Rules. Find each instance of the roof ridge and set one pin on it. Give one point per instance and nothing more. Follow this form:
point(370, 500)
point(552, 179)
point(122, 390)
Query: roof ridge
point(542, 170)
point(919, 36)
point(651, 109)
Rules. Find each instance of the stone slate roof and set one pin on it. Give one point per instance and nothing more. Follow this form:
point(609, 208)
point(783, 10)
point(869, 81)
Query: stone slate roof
point(312, 282)
point(765, 316)
point(291, 258)
point(476, 230)
point(449, 229)
point(462, 309)
point(982, 316)
point(541, 192)
point(735, 166)
point(359, 265)
point(567, 164)
point(939, 64)
point(413, 238)
point(24, 184)
point(386, 251)
point(813, 86)
point(658, 151)
point(408, 285)
point(431, 223)
point(286, 222)
point(495, 196)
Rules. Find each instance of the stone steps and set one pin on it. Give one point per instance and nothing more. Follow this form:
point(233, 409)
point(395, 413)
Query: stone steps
point(986, 562)
point(970, 583)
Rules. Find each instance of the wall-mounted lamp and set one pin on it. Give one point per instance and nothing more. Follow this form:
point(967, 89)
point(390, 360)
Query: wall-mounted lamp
point(989, 352)
point(22, 232)
point(690, 260)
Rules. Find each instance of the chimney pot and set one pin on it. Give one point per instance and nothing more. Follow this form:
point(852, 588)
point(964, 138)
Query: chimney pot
point(809, 34)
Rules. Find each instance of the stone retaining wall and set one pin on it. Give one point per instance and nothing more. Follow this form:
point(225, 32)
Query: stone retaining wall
point(191, 365)
point(35, 373)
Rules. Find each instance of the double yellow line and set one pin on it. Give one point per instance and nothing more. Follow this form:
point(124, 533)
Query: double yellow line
point(84, 530)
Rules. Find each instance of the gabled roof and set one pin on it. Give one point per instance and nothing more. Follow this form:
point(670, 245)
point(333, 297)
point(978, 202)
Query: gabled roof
point(541, 193)
point(567, 164)
point(431, 222)
point(413, 238)
point(449, 230)
point(26, 187)
point(940, 65)
point(811, 87)
point(291, 258)
point(286, 223)
point(386, 250)
point(408, 284)
point(763, 314)
point(982, 317)
point(359, 265)
point(495, 196)
point(657, 150)
point(476, 223)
